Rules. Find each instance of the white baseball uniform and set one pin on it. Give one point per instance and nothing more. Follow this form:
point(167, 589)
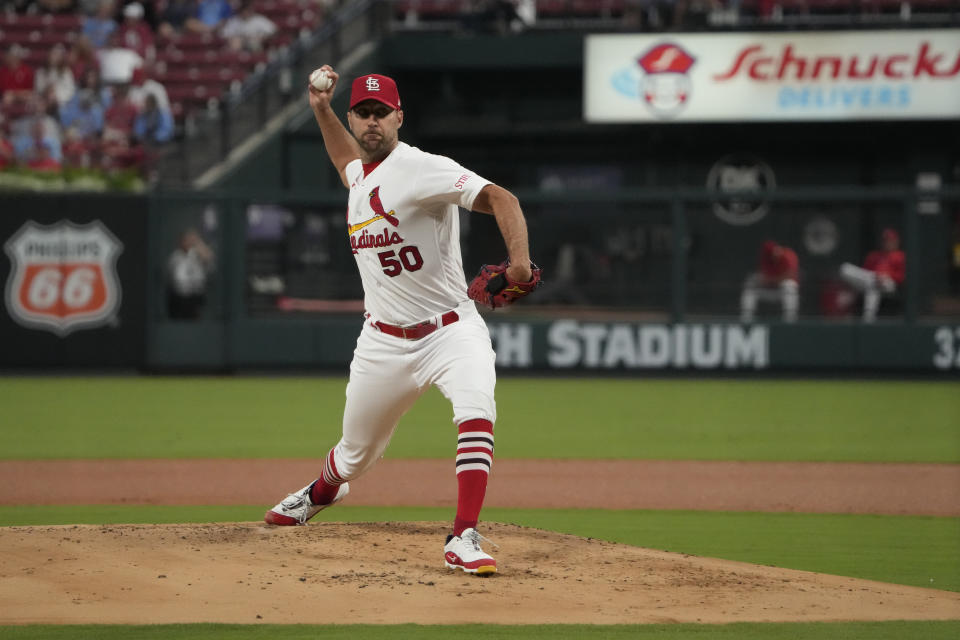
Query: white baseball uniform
point(403, 223)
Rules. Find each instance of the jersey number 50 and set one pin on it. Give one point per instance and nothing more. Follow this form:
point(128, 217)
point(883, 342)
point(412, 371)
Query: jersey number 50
point(394, 262)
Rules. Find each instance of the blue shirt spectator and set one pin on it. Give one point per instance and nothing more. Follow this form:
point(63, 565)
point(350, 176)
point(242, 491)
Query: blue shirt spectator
point(213, 12)
point(84, 114)
point(24, 146)
point(153, 125)
point(99, 27)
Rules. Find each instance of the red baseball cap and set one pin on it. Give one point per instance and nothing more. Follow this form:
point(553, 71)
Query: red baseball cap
point(890, 235)
point(375, 87)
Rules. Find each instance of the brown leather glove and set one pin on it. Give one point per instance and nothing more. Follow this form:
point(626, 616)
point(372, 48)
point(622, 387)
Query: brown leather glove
point(493, 288)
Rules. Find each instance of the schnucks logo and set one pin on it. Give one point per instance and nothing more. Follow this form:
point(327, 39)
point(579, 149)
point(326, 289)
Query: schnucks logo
point(662, 80)
point(760, 65)
point(63, 276)
point(836, 80)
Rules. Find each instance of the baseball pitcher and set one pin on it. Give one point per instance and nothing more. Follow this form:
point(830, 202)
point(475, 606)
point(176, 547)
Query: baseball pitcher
point(422, 327)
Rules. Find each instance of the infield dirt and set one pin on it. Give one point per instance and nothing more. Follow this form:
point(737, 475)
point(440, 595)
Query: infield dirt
point(808, 487)
point(393, 572)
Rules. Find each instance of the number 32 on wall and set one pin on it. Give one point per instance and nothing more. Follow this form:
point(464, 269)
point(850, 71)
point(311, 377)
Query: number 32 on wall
point(948, 348)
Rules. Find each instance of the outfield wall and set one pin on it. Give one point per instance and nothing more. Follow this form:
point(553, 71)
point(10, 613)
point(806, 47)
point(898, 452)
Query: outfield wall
point(85, 280)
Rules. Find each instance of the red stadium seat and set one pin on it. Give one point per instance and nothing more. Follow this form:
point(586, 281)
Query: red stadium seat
point(552, 8)
point(200, 75)
point(192, 41)
point(189, 95)
point(279, 40)
point(46, 23)
point(37, 58)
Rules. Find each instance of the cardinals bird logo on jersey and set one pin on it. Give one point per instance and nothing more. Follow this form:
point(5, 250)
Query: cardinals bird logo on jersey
point(379, 213)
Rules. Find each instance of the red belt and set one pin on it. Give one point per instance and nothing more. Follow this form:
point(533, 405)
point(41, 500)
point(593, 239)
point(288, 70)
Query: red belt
point(417, 331)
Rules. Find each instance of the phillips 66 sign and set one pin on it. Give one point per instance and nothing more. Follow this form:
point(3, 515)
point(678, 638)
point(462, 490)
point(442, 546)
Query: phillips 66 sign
point(63, 276)
point(800, 76)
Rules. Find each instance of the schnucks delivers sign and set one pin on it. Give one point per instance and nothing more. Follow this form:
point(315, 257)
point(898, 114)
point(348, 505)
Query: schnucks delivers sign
point(764, 76)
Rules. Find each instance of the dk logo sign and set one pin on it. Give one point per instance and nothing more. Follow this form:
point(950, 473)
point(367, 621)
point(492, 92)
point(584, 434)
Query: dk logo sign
point(63, 276)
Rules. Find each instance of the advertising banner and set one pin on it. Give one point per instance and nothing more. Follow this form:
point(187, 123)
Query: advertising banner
point(74, 274)
point(635, 347)
point(864, 75)
point(63, 276)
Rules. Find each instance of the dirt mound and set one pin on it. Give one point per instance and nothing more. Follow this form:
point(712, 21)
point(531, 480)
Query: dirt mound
point(393, 573)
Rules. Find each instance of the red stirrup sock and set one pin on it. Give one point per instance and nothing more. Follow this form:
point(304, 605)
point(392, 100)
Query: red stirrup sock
point(324, 490)
point(474, 456)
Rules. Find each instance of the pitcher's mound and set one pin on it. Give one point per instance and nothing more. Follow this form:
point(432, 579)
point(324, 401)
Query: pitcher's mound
point(394, 573)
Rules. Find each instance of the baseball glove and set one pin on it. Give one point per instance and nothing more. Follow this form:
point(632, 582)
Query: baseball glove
point(493, 288)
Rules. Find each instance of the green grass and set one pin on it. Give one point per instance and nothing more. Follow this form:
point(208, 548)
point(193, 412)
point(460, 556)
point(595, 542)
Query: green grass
point(739, 631)
point(913, 550)
point(144, 417)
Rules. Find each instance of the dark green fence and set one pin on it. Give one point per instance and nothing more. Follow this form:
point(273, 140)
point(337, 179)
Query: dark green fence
point(634, 280)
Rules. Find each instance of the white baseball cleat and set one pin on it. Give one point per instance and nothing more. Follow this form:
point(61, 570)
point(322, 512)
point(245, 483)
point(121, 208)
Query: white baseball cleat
point(464, 552)
point(297, 508)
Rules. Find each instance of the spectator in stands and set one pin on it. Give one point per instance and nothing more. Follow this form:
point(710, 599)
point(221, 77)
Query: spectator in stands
point(82, 58)
point(6, 152)
point(117, 150)
point(99, 27)
point(51, 106)
point(135, 34)
point(247, 30)
point(34, 115)
point(209, 16)
point(174, 18)
point(144, 85)
point(153, 125)
point(776, 280)
point(91, 80)
point(16, 76)
point(37, 144)
point(117, 62)
point(499, 16)
point(78, 151)
point(43, 158)
point(722, 13)
point(121, 113)
point(658, 15)
point(150, 13)
point(82, 116)
point(57, 75)
point(882, 273)
point(188, 268)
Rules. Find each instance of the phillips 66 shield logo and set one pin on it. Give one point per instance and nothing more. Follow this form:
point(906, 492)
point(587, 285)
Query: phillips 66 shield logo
point(63, 276)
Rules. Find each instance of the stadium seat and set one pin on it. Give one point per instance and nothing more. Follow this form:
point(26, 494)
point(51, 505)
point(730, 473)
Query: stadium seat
point(191, 41)
point(45, 22)
point(200, 75)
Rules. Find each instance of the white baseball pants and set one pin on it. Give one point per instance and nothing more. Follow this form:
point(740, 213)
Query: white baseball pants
point(871, 284)
point(755, 288)
point(388, 374)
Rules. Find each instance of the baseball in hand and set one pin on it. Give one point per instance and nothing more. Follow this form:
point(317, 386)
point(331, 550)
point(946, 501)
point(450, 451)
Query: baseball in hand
point(319, 80)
